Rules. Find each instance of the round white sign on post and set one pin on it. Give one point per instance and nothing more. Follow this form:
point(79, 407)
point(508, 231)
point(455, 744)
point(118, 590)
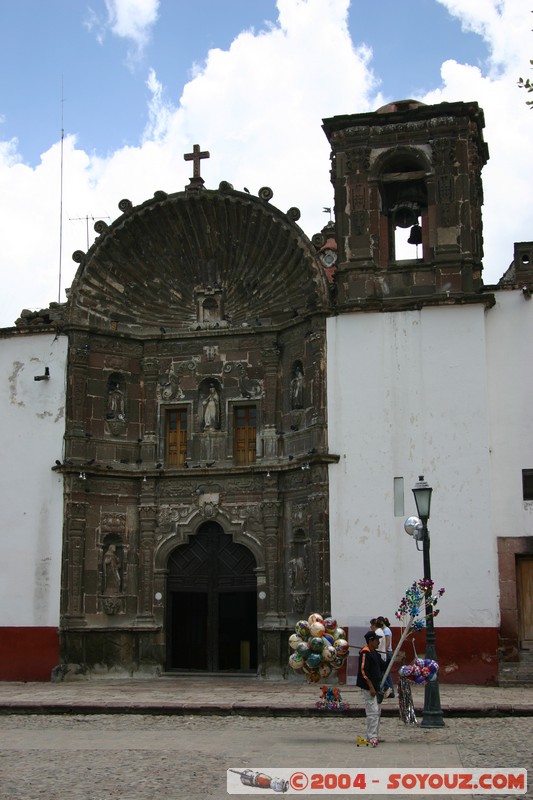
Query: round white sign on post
point(158, 596)
point(262, 595)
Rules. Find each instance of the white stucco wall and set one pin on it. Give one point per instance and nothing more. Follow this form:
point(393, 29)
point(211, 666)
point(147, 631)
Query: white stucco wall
point(32, 423)
point(407, 396)
point(510, 377)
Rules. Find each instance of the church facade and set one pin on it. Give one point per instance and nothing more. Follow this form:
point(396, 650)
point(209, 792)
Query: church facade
point(196, 376)
point(236, 414)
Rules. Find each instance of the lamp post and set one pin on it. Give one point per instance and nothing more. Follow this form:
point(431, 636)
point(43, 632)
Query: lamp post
point(432, 714)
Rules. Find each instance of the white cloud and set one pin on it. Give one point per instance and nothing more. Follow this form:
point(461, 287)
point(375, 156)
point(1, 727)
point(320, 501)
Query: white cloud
point(257, 107)
point(505, 25)
point(132, 20)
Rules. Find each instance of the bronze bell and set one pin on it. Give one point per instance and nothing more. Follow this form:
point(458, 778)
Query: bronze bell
point(415, 237)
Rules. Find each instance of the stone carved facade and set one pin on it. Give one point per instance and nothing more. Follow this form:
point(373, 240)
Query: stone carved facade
point(195, 405)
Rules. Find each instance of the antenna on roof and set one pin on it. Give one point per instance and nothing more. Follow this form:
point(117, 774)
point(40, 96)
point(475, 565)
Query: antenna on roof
point(87, 217)
point(61, 198)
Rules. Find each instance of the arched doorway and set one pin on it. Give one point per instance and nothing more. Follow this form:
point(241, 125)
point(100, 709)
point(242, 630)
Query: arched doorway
point(211, 604)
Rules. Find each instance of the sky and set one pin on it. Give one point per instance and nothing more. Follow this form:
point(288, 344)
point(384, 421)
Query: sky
point(101, 99)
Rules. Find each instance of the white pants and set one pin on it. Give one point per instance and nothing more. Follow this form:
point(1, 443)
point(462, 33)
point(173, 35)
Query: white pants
point(373, 715)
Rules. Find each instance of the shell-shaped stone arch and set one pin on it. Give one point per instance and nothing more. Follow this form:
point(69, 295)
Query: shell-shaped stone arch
point(189, 527)
point(146, 266)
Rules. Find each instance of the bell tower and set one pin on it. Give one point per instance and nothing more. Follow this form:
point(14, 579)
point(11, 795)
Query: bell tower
point(408, 197)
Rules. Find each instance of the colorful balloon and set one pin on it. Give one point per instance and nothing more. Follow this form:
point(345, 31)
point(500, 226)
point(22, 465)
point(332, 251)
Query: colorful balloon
point(314, 660)
point(330, 624)
point(294, 640)
point(421, 670)
point(339, 633)
point(303, 649)
point(315, 618)
point(328, 653)
point(324, 670)
point(302, 628)
point(341, 647)
point(296, 661)
point(316, 644)
point(317, 628)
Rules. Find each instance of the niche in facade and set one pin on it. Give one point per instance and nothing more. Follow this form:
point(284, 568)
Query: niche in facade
point(115, 413)
point(297, 387)
point(209, 306)
point(112, 574)
point(299, 571)
point(209, 405)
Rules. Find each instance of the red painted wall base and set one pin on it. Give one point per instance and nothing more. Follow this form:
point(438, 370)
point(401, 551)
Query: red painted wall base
point(28, 654)
point(465, 655)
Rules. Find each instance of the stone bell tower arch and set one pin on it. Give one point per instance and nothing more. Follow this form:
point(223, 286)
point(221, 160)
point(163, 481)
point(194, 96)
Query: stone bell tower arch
point(416, 168)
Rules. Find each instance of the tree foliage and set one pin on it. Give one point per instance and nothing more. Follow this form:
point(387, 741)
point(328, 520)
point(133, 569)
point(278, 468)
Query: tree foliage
point(527, 85)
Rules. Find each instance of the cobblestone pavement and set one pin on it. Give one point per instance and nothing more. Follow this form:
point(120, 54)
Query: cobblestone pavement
point(151, 757)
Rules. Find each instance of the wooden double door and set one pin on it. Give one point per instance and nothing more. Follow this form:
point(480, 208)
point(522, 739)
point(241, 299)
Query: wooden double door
point(212, 604)
point(524, 579)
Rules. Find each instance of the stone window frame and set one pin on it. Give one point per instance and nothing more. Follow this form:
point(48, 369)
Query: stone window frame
point(509, 548)
point(162, 448)
point(240, 402)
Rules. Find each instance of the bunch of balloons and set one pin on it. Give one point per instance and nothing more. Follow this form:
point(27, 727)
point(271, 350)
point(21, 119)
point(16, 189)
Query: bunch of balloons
point(319, 647)
point(421, 670)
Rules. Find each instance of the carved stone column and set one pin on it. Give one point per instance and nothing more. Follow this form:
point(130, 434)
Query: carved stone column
point(271, 516)
point(147, 525)
point(270, 358)
point(318, 399)
point(73, 569)
point(149, 381)
point(320, 570)
point(77, 385)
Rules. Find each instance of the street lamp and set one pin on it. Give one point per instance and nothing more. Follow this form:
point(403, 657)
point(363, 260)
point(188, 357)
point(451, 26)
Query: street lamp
point(432, 714)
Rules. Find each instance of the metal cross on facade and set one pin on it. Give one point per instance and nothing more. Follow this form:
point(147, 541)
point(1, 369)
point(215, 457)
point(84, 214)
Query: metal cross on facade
point(195, 157)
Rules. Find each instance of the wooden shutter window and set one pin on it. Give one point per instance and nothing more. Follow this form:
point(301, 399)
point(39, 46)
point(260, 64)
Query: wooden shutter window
point(245, 419)
point(176, 437)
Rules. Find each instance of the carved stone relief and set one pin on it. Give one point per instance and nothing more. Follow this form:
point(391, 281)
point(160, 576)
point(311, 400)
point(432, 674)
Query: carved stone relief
point(299, 572)
point(169, 386)
point(297, 386)
point(248, 387)
point(358, 159)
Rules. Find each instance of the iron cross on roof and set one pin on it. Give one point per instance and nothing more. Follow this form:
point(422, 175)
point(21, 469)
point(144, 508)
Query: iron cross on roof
point(195, 157)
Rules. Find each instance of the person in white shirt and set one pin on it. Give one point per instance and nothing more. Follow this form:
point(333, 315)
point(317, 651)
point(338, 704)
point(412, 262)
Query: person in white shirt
point(384, 623)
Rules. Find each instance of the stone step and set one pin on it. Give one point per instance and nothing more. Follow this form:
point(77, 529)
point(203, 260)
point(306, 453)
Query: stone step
point(519, 673)
point(511, 683)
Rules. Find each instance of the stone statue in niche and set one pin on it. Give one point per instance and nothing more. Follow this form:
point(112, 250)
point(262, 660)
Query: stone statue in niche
point(298, 574)
point(115, 402)
point(299, 577)
point(210, 410)
point(112, 571)
point(297, 388)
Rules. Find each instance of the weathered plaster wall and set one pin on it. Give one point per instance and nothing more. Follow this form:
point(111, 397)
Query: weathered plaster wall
point(510, 383)
point(509, 337)
point(407, 395)
point(32, 428)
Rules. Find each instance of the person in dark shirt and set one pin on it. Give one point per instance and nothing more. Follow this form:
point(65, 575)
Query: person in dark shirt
point(368, 679)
